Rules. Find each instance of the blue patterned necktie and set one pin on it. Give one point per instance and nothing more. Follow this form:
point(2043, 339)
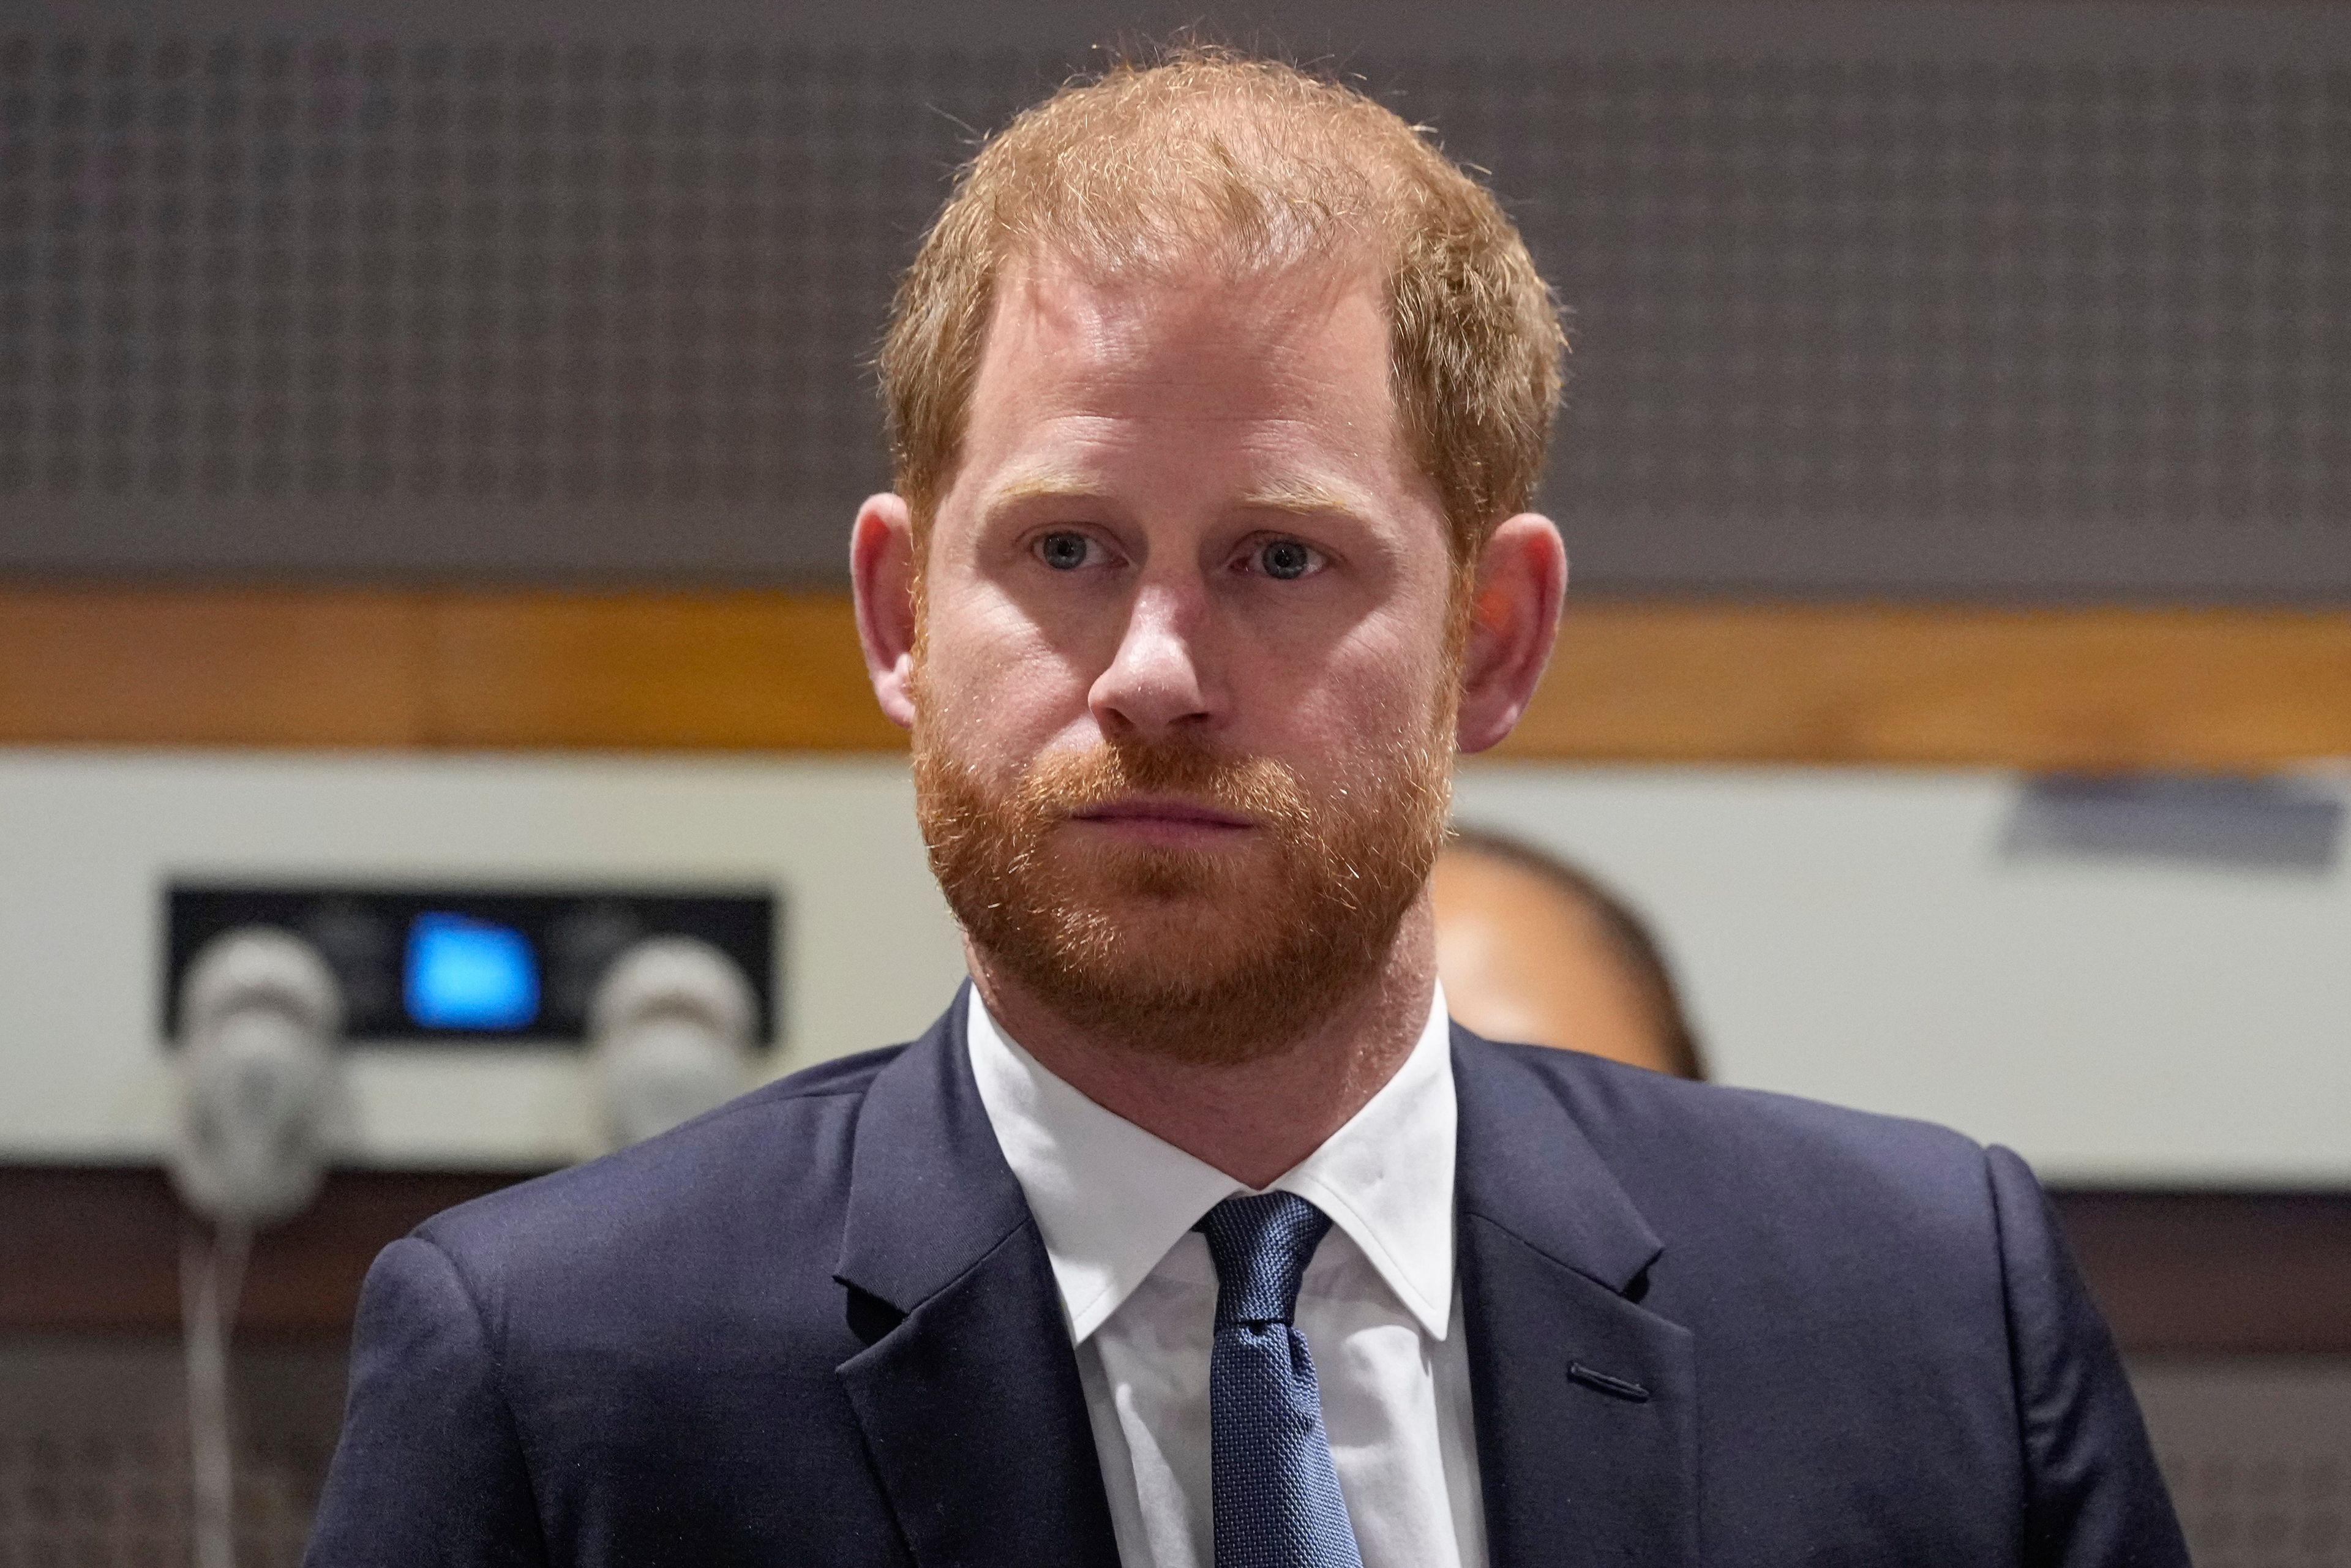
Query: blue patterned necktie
point(1276, 1494)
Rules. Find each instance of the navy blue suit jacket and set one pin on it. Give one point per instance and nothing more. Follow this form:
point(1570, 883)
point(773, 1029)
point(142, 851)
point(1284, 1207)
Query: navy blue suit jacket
point(818, 1326)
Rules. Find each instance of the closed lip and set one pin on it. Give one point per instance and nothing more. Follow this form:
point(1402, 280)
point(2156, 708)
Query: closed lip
point(1152, 809)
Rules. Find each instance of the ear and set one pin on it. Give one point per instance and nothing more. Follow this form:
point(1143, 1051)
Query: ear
point(882, 567)
point(1513, 620)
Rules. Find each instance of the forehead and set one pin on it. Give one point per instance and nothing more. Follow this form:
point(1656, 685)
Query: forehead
point(1287, 368)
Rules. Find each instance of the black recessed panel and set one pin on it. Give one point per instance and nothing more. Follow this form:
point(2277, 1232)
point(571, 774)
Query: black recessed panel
point(2277, 825)
point(492, 966)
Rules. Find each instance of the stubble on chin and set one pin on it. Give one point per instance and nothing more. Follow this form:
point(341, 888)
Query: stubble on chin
point(1211, 957)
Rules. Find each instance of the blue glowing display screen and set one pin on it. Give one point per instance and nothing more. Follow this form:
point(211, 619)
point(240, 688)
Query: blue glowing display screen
point(468, 974)
point(470, 965)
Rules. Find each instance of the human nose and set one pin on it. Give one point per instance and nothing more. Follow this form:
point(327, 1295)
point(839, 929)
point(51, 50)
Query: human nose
point(1159, 681)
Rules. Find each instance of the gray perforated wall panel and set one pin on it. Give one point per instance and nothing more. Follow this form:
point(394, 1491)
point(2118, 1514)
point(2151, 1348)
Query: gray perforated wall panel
point(2258, 1453)
point(2000, 300)
point(93, 1467)
point(94, 1451)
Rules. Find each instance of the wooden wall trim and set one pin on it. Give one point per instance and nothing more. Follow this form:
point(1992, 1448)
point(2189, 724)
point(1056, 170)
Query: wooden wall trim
point(2101, 688)
point(2097, 689)
point(2216, 1272)
point(96, 1249)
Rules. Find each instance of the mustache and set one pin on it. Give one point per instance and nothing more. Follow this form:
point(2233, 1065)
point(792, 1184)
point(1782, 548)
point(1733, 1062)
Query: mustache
point(1259, 787)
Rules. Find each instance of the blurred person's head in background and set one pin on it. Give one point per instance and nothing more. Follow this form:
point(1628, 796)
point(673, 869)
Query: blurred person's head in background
point(1533, 949)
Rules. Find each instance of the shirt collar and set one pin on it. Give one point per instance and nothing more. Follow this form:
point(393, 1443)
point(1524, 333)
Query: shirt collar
point(1110, 1198)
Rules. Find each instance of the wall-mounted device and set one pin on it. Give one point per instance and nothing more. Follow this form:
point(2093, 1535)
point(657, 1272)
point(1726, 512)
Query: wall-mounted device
point(808, 873)
point(672, 1025)
point(510, 967)
point(259, 1015)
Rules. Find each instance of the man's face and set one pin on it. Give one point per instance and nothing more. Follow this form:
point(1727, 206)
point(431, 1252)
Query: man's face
point(1184, 687)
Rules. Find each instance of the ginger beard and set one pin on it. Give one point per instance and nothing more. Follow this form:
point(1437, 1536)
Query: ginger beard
point(1215, 955)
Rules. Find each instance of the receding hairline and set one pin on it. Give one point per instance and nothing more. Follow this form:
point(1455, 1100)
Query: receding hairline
point(1268, 164)
point(1142, 163)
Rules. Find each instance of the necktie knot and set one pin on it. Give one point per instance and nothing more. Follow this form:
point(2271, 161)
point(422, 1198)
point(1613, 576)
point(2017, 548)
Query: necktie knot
point(1276, 1501)
point(1261, 1245)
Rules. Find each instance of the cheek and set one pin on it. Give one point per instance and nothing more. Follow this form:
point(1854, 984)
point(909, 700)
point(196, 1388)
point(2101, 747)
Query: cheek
point(1372, 696)
point(992, 685)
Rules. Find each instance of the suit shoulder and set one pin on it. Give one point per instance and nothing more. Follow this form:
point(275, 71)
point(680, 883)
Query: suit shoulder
point(1777, 1215)
point(781, 1152)
point(1613, 1093)
point(841, 1075)
point(1711, 1149)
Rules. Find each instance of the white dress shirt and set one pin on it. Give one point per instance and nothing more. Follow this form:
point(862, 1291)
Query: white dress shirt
point(1378, 1307)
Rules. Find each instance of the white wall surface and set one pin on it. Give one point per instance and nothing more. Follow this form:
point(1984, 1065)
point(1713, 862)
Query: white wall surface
point(1853, 936)
point(1857, 936)
point(88, 842)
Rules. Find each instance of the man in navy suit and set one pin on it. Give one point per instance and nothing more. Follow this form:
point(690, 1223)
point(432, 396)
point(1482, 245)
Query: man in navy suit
point(1193, 1233)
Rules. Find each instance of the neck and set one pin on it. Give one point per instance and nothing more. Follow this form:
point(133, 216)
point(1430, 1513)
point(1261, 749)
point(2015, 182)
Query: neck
point(1251, 1120)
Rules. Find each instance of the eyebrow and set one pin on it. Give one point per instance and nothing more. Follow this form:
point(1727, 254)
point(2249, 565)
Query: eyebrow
point(1299, 498)
point(1306, 499)
point(1041, 484)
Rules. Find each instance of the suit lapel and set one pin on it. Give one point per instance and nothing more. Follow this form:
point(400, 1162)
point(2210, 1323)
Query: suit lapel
point(967, 1388)
point(1586, 1404)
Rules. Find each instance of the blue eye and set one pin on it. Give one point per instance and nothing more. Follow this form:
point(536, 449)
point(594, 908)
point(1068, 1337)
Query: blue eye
point(1285, 559)
point(1064, 551)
